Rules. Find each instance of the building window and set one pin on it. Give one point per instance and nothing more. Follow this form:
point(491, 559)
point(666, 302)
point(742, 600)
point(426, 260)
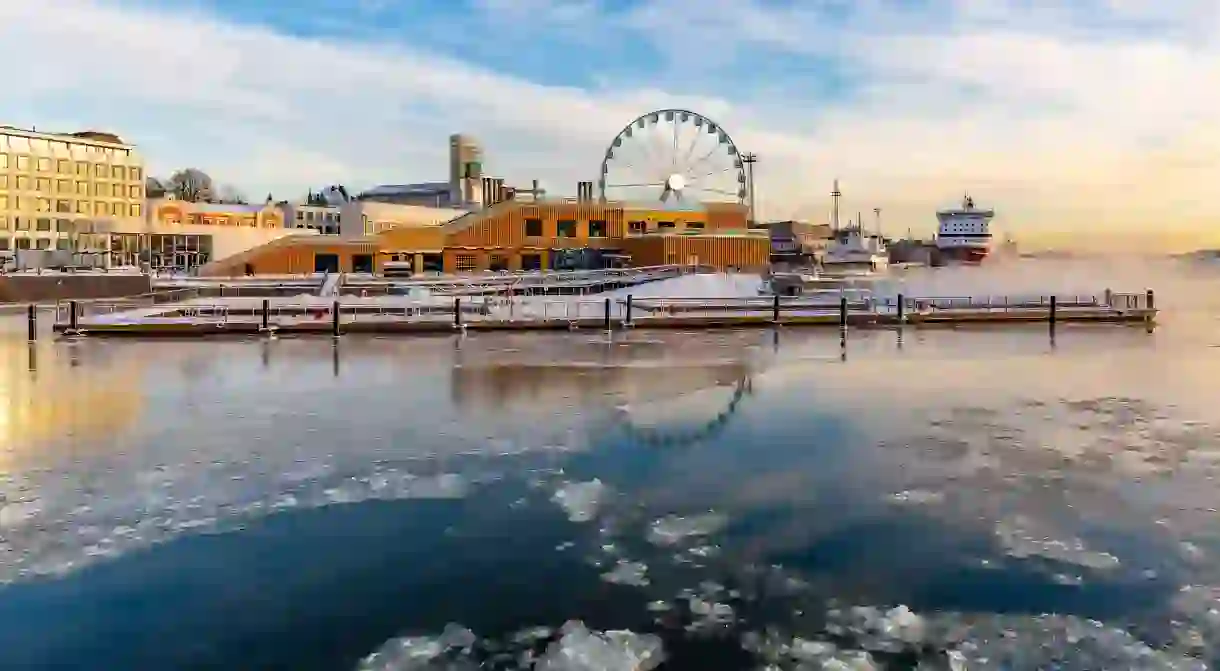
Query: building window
point(694, 225)
point(135, 174)
point(99, 170)
point(566, 228)
point(82, 207)
point(3, 223)
point(597, 229)
point(63, 243)
point(63, 167)
point(44, 165)
point(82, 169)
point(3, 181)
point(116, 190)
point(17, 204)
point(23, 162)
point(42, 243)
point(44, 204)
point(63, 225)
point(101, 208)
point(23, 243)
point(82, 188)
point(465, 263)
point(23, 183)
point(43, 224)
point(21, 223)
point(63, 186)
point(4, 244)
point(116, 172)
point(665, 225)
point(42, 184)
point(533, 228)
point(63, 206)
point(118, 209)
point(3, 160)
point(135, 210)
point(637, 226)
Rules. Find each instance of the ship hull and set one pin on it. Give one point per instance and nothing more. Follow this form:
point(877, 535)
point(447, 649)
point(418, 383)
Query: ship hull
point(964, 255)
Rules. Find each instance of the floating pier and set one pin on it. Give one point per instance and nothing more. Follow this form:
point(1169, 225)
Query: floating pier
point(313, 315)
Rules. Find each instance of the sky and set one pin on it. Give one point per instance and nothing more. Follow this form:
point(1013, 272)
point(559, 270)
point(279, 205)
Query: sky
point(1087, 123)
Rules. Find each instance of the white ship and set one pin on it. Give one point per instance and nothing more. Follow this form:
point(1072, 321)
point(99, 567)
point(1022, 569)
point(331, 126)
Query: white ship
point(853, 251)
point(964, 234)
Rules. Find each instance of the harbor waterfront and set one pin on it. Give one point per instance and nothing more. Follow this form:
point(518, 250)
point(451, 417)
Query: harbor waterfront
point(674, 500)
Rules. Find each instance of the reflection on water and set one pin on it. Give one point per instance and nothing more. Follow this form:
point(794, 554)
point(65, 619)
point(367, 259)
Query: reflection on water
point(749, 498)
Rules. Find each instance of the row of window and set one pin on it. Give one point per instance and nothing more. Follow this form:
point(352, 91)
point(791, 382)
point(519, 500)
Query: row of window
point(65, 167)
point(34, 243)
point(37, 224)
point(67, 187)
point(566, 228)
point(69, 206)
point(321, 216)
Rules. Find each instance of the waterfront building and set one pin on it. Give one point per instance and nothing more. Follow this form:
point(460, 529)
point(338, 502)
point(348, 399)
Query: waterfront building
point(54, 186)
point(527, 234)
point(321, 218)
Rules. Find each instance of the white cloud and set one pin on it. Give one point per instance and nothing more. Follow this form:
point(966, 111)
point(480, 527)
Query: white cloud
point(1093, 117)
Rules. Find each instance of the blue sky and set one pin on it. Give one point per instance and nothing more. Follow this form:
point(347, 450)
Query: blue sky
point(1089, 115)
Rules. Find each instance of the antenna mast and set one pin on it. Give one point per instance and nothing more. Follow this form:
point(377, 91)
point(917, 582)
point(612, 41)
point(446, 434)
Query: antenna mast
point(877, 222)
point(749, 159)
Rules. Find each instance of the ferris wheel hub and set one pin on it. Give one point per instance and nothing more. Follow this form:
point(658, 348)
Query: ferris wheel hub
point(676, 182)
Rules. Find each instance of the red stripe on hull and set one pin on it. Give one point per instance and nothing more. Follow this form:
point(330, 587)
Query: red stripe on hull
point(971, 255)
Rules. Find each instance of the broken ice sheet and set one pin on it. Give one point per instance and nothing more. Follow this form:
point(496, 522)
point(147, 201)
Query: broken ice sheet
point(628, 573)
point(581, 500)
point(580, 649)
point(673, 529)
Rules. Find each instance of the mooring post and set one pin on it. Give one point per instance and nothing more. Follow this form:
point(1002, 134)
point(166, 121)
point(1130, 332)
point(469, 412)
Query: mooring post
point(775, 309)
point(72, 317)
point(901, 310)
point(32, 322)
point(1151, 299)
point(457, 312)
point(606, 318)
point(334, 319)
point(266, 314)
point(627, 320)
point(1053, 315)
point(1109, 298)
point(843, 312)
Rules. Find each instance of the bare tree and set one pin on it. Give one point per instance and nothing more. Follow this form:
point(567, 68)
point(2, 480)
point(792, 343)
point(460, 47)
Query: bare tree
point(227, 193)
point(192, 185)
point(154, 188)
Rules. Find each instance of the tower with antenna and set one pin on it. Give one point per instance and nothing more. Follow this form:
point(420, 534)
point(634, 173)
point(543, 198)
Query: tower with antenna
point(877, 221)
point(834, 208)
point(749, 159)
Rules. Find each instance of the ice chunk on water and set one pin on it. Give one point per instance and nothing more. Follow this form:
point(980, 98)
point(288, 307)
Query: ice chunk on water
point(1024, 537)
point(628, 573)
point(674, 529)
point(409, 653)
point(581, 500)
point(580, 649)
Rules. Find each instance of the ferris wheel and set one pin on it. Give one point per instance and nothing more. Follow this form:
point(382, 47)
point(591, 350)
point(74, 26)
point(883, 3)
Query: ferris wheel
point(673, 155)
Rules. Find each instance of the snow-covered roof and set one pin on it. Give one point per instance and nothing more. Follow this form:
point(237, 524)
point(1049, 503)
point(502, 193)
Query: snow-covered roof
point(419, 189)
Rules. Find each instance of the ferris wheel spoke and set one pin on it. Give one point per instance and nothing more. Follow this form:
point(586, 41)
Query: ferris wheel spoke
point(711, 174)
point(634, 186)
point(674, 157)
point(704, 159)
point(690, 152)
point(719, 191)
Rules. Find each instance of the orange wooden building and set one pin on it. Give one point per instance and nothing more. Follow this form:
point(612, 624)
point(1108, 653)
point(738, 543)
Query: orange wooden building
point(524, 235)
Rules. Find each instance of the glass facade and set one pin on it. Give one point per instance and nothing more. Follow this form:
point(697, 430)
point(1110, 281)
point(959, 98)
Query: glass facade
point(160, 251)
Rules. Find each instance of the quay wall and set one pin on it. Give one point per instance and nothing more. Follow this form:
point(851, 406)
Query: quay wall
point(30, 288)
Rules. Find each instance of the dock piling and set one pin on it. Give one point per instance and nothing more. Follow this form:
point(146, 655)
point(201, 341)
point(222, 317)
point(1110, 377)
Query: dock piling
point(457, 312)
point(606, 311)
point(1151, 299)
point(1052, 314)
point(627, 319)
point(73, 313)
point(334, 320)
point(901, 310)
point(775, 309)
point(266, 314)
point(843, 312)
point(32, 322)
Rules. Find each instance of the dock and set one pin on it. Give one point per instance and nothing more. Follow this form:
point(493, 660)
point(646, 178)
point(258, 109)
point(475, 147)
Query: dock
point(315, 315)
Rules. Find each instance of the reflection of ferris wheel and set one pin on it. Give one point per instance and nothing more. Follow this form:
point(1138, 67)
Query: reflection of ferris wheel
point(668, 154)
